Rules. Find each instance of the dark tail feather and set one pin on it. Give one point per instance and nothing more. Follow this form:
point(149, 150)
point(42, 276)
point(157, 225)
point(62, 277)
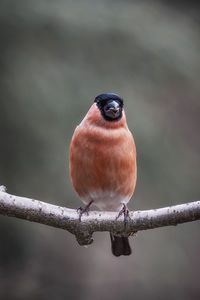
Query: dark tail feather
point(120, 245)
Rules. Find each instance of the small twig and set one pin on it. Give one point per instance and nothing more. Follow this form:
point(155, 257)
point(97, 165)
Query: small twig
point(68, 219)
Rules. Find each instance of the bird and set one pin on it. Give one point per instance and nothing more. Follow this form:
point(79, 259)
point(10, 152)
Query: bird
point(102, 161)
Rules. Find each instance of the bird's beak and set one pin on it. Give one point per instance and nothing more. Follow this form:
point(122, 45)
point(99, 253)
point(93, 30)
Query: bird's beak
point(112, 109)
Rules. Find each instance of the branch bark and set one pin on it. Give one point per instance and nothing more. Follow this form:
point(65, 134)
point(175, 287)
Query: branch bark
point(68, 219)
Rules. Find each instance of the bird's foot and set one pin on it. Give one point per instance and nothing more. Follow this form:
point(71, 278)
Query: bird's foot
point(124, 211)
point(83, 210)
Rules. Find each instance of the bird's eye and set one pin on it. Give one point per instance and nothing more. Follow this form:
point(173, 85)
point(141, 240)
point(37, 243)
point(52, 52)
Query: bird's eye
point(106, 108)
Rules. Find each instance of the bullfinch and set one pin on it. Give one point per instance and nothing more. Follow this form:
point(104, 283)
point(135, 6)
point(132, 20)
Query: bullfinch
point(103, 161)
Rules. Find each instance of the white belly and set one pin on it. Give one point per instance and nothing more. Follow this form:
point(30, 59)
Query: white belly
point(106, 200)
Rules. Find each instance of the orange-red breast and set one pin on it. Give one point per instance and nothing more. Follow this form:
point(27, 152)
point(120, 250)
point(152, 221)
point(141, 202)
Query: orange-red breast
point(103, 160)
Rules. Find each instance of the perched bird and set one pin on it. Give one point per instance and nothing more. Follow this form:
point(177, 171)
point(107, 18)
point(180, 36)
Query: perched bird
point(103, 161)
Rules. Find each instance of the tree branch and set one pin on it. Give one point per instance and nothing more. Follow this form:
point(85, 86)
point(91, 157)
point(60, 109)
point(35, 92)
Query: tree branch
point(68, 219)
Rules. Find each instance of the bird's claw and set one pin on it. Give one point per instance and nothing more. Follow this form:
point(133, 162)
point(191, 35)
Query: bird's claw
point(84, 210)
point(81, 211)
point(124, 211)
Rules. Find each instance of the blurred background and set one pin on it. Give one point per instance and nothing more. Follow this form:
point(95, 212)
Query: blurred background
point(55, 57)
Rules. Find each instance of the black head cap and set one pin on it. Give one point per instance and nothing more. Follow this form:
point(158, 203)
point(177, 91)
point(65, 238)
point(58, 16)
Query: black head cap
point(110, 106)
